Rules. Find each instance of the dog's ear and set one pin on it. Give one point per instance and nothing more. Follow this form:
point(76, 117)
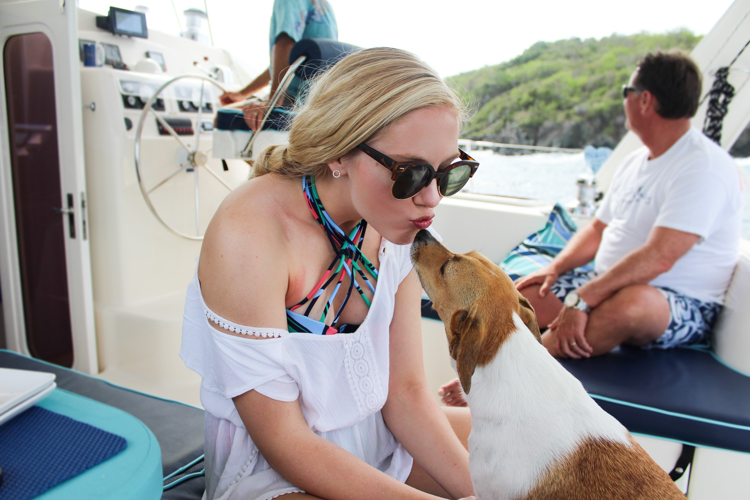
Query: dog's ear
point(466, 344)
point(528, 316)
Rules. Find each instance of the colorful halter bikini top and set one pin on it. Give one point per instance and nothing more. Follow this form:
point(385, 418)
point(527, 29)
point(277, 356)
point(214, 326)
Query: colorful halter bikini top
point(349, 261)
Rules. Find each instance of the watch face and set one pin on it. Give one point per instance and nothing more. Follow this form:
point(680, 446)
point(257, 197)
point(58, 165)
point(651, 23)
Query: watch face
point(571, 299)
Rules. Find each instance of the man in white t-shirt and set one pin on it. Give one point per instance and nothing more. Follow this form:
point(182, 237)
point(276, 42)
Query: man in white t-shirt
point(665, 239)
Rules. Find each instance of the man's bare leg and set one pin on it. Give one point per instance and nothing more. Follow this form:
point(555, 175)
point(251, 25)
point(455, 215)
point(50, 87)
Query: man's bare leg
point(635, 315)
point(546, 308)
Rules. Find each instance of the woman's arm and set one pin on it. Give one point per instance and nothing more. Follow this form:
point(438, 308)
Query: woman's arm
point(310, 462)
point(411, 413)
point(580, 250)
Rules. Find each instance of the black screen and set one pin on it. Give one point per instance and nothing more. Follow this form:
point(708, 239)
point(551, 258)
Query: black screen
point(128, 22)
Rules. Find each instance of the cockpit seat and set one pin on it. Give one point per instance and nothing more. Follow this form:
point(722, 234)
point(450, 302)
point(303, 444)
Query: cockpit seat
point(690, 395)
point(687, 395)
point(232, 136)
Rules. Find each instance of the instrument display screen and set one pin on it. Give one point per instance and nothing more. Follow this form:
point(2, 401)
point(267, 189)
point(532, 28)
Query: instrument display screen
point(156, 56)
point(111, 53)
point(128, 22)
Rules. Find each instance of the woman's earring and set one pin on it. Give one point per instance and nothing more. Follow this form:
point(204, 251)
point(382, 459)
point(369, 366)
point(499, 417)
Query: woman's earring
point(336, 174)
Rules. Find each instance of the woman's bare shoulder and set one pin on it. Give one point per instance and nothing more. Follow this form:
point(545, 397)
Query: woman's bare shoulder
point(244, 261)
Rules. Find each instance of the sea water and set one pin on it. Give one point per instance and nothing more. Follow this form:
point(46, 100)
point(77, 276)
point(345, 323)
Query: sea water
point(552, 177)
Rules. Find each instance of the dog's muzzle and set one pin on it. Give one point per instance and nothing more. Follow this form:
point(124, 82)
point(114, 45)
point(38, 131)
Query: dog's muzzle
point(422, 238)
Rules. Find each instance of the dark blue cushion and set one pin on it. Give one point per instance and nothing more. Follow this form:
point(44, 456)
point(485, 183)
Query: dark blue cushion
point(682, 394)
point(234, 119)
point(322, 53)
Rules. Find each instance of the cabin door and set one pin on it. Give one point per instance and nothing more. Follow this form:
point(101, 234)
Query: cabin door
point(45, 271)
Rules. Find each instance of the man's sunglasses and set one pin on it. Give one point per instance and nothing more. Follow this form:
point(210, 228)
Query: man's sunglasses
point(627, 90)
point(410, 177)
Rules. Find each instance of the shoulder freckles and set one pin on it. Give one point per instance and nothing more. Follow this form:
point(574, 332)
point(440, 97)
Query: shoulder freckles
point(243, 230)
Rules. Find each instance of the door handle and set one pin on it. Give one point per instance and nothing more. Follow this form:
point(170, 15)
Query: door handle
point(70, 211)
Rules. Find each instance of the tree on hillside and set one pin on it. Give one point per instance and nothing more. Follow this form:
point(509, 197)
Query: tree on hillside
point(565, 93)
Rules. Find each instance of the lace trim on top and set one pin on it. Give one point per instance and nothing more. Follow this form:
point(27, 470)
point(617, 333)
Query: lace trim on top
point(244, 330)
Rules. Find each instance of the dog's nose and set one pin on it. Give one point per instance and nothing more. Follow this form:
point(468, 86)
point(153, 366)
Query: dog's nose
point(421, 238)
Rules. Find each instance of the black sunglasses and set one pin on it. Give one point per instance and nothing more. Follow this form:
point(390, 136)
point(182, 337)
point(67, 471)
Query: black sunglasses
point(410, 177)
point(627, 90)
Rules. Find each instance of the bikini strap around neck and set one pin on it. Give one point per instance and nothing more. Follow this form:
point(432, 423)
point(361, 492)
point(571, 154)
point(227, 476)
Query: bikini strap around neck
point(349, 258)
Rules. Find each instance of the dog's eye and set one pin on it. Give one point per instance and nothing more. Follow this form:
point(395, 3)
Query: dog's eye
point(442, 268)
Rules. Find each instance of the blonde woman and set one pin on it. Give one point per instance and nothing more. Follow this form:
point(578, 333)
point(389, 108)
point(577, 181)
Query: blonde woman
point(304, 315)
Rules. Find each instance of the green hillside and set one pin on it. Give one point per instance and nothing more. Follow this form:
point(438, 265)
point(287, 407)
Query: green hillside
point(565, 93)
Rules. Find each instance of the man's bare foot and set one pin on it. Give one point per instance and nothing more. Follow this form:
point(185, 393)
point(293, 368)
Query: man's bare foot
point(452, 394)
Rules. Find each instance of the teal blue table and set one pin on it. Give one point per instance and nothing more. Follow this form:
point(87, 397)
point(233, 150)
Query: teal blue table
point(134, 473)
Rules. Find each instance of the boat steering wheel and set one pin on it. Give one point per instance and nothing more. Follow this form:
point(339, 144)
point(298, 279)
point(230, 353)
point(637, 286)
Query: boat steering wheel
point(164, 170)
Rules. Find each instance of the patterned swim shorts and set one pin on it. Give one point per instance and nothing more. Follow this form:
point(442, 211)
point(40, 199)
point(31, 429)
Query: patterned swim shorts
point(691, 319)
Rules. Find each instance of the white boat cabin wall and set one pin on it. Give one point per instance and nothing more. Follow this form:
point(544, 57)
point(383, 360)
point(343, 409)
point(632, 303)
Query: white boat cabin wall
point(94, 237)
point(93, 273)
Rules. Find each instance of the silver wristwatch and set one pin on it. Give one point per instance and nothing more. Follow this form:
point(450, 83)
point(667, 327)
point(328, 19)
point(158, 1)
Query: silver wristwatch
point(574, 301)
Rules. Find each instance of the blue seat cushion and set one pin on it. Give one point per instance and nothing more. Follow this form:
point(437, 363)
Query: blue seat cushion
point(683, 394)
point(320, 53)
point(233, 119)
point(539, 248)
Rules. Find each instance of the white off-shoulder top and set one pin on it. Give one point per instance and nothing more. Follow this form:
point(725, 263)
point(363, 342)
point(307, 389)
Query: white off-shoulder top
point(341, 382)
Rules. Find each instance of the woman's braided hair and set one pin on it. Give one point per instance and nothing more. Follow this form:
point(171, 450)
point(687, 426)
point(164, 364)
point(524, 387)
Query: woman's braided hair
point(351, 103)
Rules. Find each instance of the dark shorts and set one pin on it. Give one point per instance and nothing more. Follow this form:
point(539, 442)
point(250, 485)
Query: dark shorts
point(691, 319)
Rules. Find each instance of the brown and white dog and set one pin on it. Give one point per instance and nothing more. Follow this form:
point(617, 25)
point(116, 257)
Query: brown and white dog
point(536, 433)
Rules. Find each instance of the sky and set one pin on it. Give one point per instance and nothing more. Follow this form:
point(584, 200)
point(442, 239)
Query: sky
point(452, 36)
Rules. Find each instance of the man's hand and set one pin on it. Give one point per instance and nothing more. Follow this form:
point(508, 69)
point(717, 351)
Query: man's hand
point(545, 276)
point(230, 97)
point(254, 114)
point(569, 329)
